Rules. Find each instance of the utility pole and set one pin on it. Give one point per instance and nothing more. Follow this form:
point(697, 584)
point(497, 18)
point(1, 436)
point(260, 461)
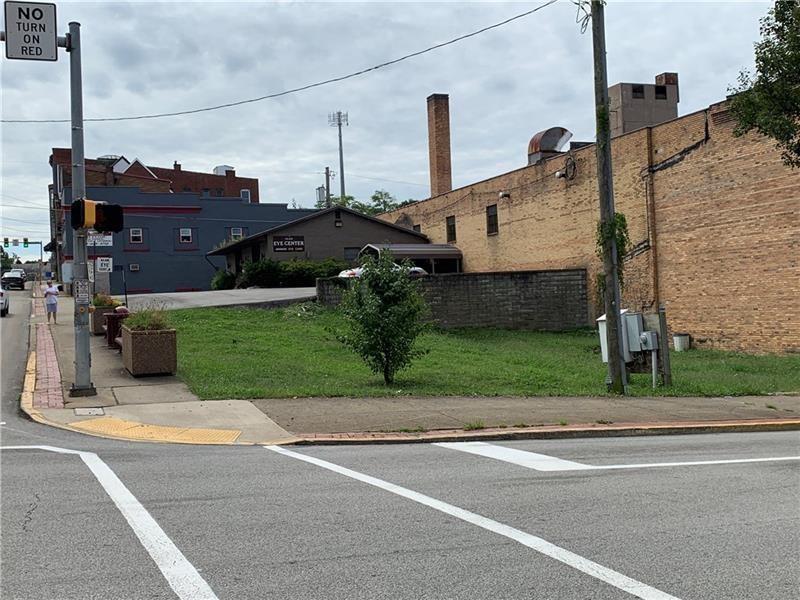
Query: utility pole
point(611, 295)
point(327, 187)
point(338, 119)
point(83, 385)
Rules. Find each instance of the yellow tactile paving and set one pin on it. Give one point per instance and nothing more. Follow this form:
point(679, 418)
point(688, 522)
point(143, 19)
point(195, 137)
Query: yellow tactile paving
point(119, 428)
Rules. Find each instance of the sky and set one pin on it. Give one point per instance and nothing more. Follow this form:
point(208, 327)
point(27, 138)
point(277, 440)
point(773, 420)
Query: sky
point(504, 85)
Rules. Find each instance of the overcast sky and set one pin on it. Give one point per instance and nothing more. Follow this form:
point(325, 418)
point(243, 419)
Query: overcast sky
point(504, 86)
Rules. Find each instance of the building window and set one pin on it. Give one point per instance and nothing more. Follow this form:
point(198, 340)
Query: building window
point(245, 195)
point(417, 228)
point(451, 228)
point(661, 92)
point(133, 266)
point(491, 220)
point(637, 91)
point(185, 235)
point(135, 236)
point(236, 233)
point(351, 254)
point(219, 192)
point(206, 192)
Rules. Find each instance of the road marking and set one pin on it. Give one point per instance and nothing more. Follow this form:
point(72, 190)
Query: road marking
point(609, 576)
point(181, 575)
point(542, 462)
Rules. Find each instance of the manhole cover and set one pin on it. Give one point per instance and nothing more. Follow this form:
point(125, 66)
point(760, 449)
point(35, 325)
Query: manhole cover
point(89, 412)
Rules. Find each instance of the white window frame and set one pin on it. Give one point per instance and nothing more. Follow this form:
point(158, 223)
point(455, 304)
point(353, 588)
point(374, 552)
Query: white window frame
point(185, 232)
point(135, 232)
point(244, 194)
point(235, 235)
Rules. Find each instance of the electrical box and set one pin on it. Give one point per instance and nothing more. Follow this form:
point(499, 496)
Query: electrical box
point(632, 326)
point(601, 326)
point(649, 340)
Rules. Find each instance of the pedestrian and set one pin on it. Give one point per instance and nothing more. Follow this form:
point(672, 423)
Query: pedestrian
point(51, 301)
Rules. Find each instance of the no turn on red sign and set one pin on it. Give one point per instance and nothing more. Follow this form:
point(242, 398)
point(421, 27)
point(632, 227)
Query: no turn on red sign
point(31, 31)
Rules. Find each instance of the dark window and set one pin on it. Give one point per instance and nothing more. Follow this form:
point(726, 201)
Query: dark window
point(417, 228)
point(451, 228)
point(637, 91)
point(205, 192)
point(661, 92)
point(351, 254)
point(255, 252)
point(491, 220)
point(186, 188)
point(219, 192)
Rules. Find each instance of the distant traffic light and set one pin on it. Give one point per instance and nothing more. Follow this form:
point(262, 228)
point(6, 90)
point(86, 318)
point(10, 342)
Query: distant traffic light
point(5, 242)
point(99, 216)
point(24, 242)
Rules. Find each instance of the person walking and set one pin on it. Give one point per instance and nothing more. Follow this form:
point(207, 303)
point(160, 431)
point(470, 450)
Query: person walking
point(51, 301)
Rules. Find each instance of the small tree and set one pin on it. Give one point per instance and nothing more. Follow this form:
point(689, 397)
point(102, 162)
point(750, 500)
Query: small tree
point(385, 314)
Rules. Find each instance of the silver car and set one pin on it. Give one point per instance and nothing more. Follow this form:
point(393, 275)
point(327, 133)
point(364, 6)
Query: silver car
point(4, 302)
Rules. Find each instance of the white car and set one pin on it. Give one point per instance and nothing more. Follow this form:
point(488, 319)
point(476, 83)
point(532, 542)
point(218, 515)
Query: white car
point(358, 271)
point(20, 272)
point(4, 302)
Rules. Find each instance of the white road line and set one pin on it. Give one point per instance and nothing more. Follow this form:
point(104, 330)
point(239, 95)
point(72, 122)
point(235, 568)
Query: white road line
point(609, 576)
point(181, 575)
point(542, 462)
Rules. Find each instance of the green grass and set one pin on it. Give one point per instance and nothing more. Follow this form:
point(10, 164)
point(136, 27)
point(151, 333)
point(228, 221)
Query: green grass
point(250, 353)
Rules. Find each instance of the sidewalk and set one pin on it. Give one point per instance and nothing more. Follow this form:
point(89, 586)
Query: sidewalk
point(163, 409)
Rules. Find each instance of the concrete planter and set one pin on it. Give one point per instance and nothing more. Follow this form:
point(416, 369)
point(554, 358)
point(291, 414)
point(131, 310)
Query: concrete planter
point(97, 318)
point(150, 352)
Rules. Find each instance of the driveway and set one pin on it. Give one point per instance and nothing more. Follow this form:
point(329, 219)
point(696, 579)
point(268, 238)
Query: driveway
point(248, 297)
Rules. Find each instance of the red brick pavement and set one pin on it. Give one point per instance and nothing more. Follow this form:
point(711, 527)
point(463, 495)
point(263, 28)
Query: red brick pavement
point(38, 304)
point(48, 393)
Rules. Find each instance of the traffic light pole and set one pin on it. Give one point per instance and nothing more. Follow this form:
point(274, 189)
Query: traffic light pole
point(83, 385)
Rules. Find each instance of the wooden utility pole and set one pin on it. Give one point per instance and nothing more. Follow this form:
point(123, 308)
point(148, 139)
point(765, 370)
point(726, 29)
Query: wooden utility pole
point(327, 187)
point(611, 295)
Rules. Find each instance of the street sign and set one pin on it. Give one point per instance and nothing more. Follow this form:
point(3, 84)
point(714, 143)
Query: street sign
point(31, 31)
point(105, 264)
point(99, 239)
point(90, 269)
point(81, 291)
point(15, 242)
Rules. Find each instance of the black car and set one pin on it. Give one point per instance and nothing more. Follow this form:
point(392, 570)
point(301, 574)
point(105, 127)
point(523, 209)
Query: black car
point(13, 280)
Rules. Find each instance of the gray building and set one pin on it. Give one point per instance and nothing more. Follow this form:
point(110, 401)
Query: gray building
point(335, 232)
point(636, 105)
point(167, 236)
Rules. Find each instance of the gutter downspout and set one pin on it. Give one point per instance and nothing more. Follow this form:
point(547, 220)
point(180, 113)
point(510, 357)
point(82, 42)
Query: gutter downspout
point(651, 218)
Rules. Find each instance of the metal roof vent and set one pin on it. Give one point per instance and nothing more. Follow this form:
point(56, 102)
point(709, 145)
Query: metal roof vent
point(547, 143)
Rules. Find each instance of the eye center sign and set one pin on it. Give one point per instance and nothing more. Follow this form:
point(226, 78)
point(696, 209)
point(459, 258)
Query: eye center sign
point(288, 243)
point(30, 29)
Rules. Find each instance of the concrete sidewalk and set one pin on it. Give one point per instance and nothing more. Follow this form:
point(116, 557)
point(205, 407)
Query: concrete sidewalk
point(164, 409)
point(247, 298)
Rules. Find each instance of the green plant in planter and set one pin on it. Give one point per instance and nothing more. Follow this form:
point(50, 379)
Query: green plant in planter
point(148, 319)
point(105, 300)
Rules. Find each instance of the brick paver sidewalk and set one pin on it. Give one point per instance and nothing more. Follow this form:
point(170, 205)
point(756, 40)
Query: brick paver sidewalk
point(47, 393)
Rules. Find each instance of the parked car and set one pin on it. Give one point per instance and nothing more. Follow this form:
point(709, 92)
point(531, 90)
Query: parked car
point(4, 302)
point(358, 271)
point(12, 280)
point(20, 272)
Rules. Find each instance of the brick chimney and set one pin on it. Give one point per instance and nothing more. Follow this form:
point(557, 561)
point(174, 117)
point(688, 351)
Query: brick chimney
point(439, 143)
point(176, 166)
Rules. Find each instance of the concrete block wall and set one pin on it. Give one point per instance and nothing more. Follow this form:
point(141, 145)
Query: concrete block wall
point(533, 300)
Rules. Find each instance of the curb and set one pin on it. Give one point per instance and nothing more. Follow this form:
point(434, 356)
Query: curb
point(550, 432)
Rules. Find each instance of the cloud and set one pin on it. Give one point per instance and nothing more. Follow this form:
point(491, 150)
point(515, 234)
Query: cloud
point(504, 86)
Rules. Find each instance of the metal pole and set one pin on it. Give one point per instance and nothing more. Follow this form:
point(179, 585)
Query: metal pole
point(616, 360)
point(341, 155)
point(327, 187)
point(663, 342)
point(80, 277)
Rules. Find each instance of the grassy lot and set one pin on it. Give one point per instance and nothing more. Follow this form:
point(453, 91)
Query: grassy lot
point(241, 353)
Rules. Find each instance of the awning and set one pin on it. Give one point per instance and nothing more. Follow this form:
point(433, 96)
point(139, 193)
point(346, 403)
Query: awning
point(414, 251)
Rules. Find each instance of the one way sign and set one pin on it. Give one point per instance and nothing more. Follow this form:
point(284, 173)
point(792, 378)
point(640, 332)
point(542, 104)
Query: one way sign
point(31, 31)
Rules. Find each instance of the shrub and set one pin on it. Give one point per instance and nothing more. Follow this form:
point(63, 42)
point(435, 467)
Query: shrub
point(289, 273)
point(261, 273)
point(223, 280)
point(104, 300)
point(384, 312)
point(148, 319)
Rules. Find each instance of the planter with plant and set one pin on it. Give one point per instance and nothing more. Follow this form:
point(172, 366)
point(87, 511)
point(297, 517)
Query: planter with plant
point(102, 304)
point(149, 344)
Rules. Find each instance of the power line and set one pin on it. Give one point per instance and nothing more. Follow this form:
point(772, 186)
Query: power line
point(297, 89)
point(389, 180)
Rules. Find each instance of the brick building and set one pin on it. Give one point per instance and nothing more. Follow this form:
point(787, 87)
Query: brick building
point(714, 222)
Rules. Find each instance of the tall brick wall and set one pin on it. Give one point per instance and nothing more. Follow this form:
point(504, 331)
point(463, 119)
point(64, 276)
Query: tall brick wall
point(713, 220)
point(535, 300)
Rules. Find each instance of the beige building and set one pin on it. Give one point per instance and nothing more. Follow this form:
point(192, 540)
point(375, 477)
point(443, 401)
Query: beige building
point(714, 222)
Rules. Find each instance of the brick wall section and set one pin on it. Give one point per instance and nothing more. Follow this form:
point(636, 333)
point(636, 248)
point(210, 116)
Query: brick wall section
point(534, 300)
point(717, 229)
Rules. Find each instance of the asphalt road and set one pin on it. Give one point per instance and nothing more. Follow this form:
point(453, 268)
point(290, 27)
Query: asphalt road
point(572, 519)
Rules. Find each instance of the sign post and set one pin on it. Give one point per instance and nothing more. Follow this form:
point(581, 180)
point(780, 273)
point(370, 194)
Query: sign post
point(30, 34)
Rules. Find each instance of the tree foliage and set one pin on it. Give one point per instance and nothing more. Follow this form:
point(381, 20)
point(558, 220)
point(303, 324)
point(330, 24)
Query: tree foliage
point(381, 201)
point(769, 101)
point(385, 314)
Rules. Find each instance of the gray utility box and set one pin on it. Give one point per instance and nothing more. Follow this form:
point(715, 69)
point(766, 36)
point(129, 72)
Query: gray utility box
point(649, 341)
point(633, 335)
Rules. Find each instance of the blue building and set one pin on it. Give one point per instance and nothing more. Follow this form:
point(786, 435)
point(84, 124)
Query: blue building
point(166, 237)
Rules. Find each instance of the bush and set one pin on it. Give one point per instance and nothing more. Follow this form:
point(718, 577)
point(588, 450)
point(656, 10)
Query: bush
point(289, 273)
point(385, 314)
point(262, 273)
point(148, 319)
point(104, 300)
point(223, 280)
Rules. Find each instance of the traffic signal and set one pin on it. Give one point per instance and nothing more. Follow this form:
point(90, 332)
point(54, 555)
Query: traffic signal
point(99, 216)
point(24, 242)
point(5, 242)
